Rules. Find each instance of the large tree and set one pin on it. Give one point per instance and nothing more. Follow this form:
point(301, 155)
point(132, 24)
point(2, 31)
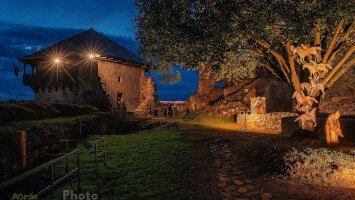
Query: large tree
point(240, 35)
point(231, 32)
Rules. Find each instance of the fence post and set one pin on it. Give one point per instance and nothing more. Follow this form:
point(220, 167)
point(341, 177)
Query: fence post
point(78, 166)
point(52, 178)
point(29, 155)
point(105, 150)
point(23, 143)
point(96, 168)
point(66, 158)
point(79, 126)
point(105, 156)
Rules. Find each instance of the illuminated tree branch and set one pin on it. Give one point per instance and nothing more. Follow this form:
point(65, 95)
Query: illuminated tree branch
point(333, 40)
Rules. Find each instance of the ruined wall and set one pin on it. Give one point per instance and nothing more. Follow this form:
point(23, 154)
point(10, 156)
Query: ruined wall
point(267, 123)
point(206, 85)
point(207, 92)
point(278, 94)
point(148, 95)
point(129, 84)
point(235, 98)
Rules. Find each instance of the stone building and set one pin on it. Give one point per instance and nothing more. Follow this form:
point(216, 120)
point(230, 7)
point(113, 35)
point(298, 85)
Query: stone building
point(89, 68)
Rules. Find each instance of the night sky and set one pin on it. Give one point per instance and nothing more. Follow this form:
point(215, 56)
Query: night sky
point(27, 26)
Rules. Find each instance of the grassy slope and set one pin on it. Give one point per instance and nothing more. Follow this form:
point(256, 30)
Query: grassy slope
point(151, 165)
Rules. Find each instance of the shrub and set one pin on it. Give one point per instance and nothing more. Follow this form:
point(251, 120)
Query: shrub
point(321, 167)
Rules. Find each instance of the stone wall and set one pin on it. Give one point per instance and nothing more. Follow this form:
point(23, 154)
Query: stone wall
point(82, 86)
point(207, 85)
point(60, 95)
point(268, 123)
point(90, 90)
point(221, 100)
point(128, 85)
point(100, 83)
point(148, 96)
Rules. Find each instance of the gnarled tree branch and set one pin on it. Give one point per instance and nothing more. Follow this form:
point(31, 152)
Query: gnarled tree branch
point(333, 40)
point(346, 67)
point(267, 63)
point(279, 58)
point(339, 64)
point(341, 43)
point(294, 76)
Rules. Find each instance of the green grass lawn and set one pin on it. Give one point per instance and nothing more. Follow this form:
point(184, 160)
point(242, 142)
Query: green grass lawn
point(154, 165)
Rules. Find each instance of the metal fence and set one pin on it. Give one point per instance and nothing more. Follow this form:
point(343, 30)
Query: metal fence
point(99, 149)
point(49, 166)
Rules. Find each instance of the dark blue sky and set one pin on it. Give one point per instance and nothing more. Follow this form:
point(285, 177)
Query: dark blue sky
point(26, 26)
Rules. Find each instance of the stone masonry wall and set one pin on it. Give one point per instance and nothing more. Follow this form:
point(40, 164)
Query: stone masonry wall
point(268, 123)
point(148, 97)
point(129, 86)
point(206, 85)
point(59, 95)
point(235, 98)
point(90, 89)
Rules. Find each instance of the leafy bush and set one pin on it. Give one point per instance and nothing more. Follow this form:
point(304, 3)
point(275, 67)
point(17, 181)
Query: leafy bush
point(321, 167)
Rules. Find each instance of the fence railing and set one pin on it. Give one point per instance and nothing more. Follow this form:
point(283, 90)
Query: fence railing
point(50, 166)
point(99, 149)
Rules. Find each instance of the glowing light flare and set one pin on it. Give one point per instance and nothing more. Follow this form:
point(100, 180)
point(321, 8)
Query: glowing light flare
point(55, 64)
point(57, 60)
point(93, 55)
point(90, 53)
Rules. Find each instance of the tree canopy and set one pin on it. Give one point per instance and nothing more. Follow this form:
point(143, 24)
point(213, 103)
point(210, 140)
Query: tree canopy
point(241, 35)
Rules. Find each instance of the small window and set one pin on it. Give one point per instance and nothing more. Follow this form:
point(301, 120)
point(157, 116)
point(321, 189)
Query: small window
point(119, 79)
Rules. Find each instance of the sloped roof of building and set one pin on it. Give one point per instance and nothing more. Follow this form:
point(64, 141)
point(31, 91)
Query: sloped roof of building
point(88, 40)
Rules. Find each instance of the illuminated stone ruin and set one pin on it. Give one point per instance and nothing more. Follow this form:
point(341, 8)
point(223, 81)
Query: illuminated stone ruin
point(89, 68)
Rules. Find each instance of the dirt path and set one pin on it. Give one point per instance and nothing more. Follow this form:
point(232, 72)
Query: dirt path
point(233, 182)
